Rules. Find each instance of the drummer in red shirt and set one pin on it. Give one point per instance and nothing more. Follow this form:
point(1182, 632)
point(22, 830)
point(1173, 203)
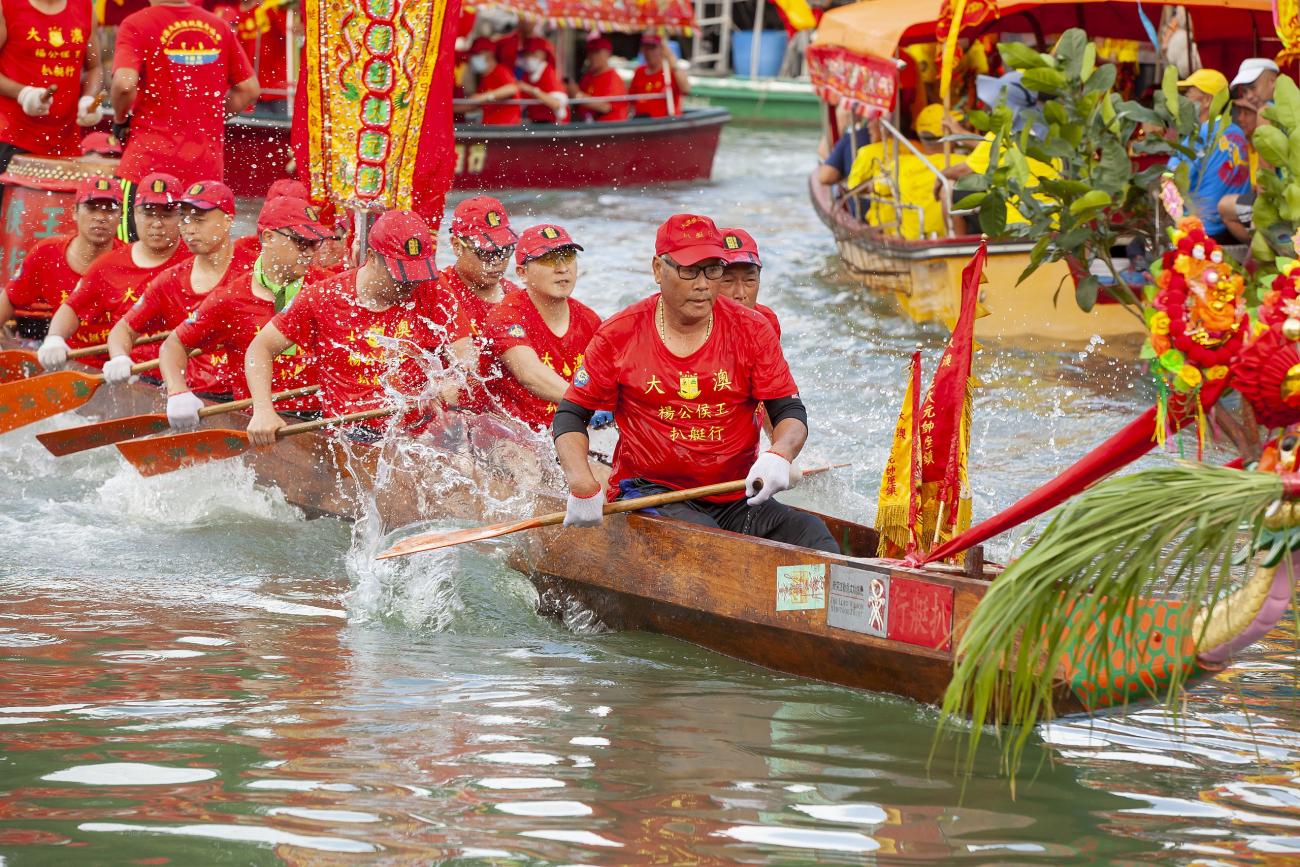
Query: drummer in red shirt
point(117, 279)
point(740, 281)
point(538, 335)
point(348, 324)
point(685, 372)
point(542, 82)
point(496, 83)
point(600, 80)
point(177, 72)
point(653, 76)
point(207, 214)
point(233, 313)
point(51, 269)
point(50, 76)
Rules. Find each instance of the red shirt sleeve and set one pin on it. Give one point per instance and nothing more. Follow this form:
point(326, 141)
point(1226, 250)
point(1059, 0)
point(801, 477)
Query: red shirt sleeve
point(298, 321)
point(128, 49)
point(607, 85)
point(238, 67)
point(206, 327)
point(771, 373)
point(595, 383)
point(504, 329)
point(85, 299)
point(150, 311)
point(446, 320)
point(24, 289)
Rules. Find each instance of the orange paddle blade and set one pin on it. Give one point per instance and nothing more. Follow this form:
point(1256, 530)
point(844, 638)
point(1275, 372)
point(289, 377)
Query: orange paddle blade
point(153, 457)
point(30, 400)
point(434, 541)
point(18, 364)
point(105, 433)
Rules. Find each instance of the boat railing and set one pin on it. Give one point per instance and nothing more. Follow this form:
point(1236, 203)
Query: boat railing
point(471, 103)
point(865, 192)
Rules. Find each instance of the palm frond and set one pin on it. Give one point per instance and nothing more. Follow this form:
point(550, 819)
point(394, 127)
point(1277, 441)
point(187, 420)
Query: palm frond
point(1150, 533)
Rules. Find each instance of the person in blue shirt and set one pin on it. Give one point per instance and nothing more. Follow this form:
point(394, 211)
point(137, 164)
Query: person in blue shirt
point(1222, 166)
point(838, 165)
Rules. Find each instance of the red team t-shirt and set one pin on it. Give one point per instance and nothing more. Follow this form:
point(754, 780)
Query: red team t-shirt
point(110, 286)
point(605, 83)
point(683, 422)
point(262, 31)
point(226, 322)
point(645, 81)
point(517, 322)
point(493, 113)
point(44, 280)
point(347, 342)
point(458, 301)
point(41, 50)
point(188, 59)
point(771, 317)
point(547, 82)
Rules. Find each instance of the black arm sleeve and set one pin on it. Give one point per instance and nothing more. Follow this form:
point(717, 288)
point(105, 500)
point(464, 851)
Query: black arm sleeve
point(570, 418)
point(778, 410)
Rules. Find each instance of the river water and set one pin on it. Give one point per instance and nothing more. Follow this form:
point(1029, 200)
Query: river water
point(194, 673)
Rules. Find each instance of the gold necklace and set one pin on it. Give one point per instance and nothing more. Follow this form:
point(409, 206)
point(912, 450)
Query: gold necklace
point(662, 324)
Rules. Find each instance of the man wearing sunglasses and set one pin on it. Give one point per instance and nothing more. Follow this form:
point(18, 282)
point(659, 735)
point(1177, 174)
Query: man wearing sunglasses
point(117, 279)
point(290, 232)
point(538, 336)
point(685, 371)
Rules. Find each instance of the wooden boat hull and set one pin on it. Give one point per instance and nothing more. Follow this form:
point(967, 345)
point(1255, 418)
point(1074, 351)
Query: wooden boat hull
point(633, 153)
point(925, 279)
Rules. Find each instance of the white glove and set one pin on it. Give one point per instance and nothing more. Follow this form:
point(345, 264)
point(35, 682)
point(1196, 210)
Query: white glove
point(796, 475)
point(585, 511)
point(117, 369)
point(183, 410)
point(89, 111)
point(53, 353)
point(33, 101)
point(769, 474)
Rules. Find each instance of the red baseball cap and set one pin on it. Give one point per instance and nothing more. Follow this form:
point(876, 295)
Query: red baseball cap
point(102, 143)
point(209, 195)
point(483, 45)
point(689, 238)
point(651, 40)
point(287, 187)
point(297, 215)
point(158, 188)
point(739, 248)
point(537, 241)
point(538, 43)
point(98, 188)
point(403, 242)
point(483, 221)
point(600, 43)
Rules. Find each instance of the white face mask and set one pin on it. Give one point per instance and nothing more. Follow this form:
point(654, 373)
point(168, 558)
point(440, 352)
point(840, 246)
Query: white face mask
point(478, 63)
point(534, 65)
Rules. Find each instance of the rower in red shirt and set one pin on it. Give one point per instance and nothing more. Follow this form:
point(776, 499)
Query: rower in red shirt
point(232, 314)
point(52, 268)
point(542, 82)
point(177, 72)
point(357, 326)
point(117, 279)
point(537, 335)
point(496, 83)
point(740, 281)
point(250, 246)
point(685, 372)
point(658, 71)
point(207, 214)
point(599, 80)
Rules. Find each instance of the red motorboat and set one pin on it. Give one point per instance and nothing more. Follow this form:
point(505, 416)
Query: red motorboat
point(638, 152)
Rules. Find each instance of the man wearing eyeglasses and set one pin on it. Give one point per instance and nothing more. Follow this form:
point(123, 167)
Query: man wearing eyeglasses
point(117, 279)
point(685, 371)
point(290, 233)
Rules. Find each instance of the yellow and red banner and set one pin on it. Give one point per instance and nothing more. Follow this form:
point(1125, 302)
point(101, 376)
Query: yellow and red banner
point(865, 85)
point(628, 16)
point(898, 508)
point(966, 14)
point(1286, 20)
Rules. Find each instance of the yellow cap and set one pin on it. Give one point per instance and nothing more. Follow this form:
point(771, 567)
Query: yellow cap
point(930, 121)
point(1209, 81)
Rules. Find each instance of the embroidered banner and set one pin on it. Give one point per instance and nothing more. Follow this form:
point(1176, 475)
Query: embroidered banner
point(867, 85)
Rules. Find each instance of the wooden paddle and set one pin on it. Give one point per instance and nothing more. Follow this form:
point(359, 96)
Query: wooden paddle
point(23, 364)
point(157, 455)
point(30, 400)
point(105, 433)
point(434, 541)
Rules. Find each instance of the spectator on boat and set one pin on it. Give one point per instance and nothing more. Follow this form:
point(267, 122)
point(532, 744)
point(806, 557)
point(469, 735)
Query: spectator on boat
point(50, 76)
point(601, 80)
point(540, 81)
point(262, 29)
point(1222, 165)
point(859, 142)
point(507, 47)
point(1237, 210)
point(1201, 87)
point(658, 75)
point(177, 72)
point(483, 243)
point(207, 216)
point(117, 279)
point(496, 83)
point(101, 145)
point(686, 372)
point(288, 231)
point(1255, 81)
point(537, 336)
point(740, 280)
point(53, 266)
point(354, 324)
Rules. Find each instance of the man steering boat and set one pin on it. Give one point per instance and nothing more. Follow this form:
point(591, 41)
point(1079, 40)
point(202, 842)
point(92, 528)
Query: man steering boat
point(685, 371)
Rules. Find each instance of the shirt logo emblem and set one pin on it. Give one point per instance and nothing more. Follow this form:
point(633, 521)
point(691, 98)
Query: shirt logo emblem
point(688, 386)
point(581, 378)
point(515, 331)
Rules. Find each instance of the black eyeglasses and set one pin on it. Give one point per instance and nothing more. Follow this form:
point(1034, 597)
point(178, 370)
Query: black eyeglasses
point(693, 272)
point(300, 242)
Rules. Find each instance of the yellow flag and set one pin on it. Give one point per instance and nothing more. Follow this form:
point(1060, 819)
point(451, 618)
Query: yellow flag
point(897, 509)
point(798, 13)
point(950, 51)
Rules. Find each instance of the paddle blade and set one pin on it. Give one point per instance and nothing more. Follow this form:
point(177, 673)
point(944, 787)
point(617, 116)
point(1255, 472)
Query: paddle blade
point(18, 364)
point(153, 457)
point(30, 400)
point(434, 541)
point(105, 433)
